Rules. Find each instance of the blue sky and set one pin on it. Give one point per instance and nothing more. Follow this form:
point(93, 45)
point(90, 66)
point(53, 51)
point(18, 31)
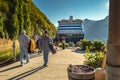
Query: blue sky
point(56, 10)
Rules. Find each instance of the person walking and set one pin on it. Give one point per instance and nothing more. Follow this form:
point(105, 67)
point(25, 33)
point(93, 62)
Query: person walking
point(63, 42)
point(31, 46)
point(56, 42)
point(45, 41)
point(38, 45)
point(24, 41)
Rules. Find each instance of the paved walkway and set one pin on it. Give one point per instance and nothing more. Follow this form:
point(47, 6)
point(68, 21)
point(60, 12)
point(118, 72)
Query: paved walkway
point(56, 70)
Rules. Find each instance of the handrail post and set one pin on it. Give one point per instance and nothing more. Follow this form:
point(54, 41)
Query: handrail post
point(14, 51)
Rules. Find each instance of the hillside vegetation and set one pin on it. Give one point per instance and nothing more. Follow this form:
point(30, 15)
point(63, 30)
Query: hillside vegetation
point(22, 14)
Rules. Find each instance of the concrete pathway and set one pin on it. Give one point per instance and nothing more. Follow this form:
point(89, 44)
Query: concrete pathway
point(56, 70)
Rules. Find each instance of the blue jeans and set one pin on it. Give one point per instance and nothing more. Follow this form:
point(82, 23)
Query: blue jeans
point(23, 51)
point(45, 56)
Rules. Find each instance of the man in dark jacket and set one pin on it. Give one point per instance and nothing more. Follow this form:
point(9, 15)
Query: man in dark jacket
point(45, 41)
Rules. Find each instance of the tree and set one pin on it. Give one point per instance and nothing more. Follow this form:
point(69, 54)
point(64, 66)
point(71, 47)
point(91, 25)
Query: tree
point(20, 15)
point(1, 26)
point(4, 6)
point(13, 28)
point(27, 23)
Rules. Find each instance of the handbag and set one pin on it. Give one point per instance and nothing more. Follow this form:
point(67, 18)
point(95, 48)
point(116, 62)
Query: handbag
point(52, 49)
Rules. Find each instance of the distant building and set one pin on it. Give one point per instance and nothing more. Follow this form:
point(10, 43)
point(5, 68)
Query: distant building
point(71, 29)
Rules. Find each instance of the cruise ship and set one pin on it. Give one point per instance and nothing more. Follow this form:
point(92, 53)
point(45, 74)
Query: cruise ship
point(71, 29)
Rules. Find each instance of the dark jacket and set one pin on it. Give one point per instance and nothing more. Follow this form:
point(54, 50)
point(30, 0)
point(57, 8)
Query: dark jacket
point(45, 41)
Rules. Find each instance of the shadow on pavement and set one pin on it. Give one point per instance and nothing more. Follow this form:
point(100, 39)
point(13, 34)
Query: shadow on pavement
point(27, 73)
point(10, 68)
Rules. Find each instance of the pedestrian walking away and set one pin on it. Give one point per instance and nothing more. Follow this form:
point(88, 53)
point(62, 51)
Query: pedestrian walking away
point(45, 41)
point(56, 42)
point(38, 45)
point(24, 41)
point(63, 42)
point(31, 45)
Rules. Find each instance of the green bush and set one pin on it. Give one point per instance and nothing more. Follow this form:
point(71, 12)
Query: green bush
point(93, 59)
point(5, 54)
point(60, 44)
point(94, 46)
point(66, 44)
point(98, 45)
point(5, 57)
point(85, 44)
point(87, 50)
point(8, 54)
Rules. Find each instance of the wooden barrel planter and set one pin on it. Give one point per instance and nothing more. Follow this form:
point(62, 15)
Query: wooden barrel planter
point(80, 72)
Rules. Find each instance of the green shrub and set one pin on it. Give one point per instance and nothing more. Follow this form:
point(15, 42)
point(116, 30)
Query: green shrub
point(94, 46)
point(93, 59)
point(85, 44)
point(66, 44)
point(8, 54)
point(17, 53)
point(98, 45)
point(5, 54)
point(60, 44)
point(87, 50)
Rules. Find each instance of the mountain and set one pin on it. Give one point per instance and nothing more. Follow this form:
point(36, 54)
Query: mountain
point(96, 30)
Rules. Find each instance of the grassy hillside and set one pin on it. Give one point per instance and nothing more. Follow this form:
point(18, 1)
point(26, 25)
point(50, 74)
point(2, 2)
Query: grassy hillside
point(22, 14)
